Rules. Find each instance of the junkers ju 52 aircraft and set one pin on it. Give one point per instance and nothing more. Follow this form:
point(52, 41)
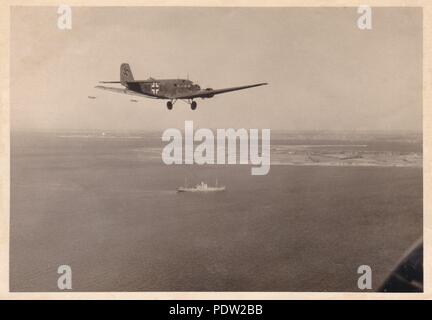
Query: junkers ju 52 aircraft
point(168, 89)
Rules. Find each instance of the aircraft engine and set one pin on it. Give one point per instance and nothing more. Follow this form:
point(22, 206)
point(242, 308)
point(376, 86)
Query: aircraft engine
point(209, 95)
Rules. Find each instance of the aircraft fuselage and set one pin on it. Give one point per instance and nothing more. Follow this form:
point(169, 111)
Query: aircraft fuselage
point(170, 89)
point(164, 88)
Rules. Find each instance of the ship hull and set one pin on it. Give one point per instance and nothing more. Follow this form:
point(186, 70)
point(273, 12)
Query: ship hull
point(201, 190)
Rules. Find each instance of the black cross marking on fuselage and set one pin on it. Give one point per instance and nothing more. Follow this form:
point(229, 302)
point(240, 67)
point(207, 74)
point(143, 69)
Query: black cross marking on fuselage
point(155, 87)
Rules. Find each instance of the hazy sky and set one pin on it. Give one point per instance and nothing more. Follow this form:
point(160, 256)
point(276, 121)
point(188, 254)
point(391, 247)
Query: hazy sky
point(323, 72)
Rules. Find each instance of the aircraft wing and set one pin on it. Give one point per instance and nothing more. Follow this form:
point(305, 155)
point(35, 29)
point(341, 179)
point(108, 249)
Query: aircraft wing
point(124, 91)
point(208, 93)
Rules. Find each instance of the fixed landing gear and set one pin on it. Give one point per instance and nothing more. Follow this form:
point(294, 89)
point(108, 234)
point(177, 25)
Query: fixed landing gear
point(171, 103)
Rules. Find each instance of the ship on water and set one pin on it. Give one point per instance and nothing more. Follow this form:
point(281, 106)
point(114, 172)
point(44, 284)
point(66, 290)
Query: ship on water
point(201, 187)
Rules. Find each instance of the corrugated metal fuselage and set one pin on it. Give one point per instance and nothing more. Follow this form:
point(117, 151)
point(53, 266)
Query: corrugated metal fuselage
point(164, 88)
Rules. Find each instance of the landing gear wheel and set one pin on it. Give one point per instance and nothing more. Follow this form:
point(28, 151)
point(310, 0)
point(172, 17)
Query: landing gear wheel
point(169, 105)
point(193, 105)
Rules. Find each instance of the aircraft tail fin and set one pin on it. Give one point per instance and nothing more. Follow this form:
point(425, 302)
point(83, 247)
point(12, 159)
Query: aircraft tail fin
point(125, 74)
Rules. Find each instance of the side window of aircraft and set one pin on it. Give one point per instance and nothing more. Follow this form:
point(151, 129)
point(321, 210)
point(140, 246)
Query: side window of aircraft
point(408, 275)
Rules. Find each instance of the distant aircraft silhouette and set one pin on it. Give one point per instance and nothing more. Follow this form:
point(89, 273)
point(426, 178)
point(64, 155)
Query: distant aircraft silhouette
point(168, 89)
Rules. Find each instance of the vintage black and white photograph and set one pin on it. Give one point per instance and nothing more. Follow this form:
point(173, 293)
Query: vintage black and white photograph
point(216, 149)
